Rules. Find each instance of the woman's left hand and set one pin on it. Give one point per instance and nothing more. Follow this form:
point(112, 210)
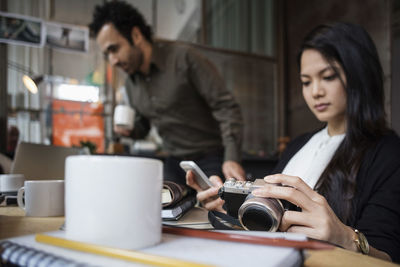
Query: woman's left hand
point(316, 220)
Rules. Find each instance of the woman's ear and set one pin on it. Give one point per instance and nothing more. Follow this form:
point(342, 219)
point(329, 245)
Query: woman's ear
point(137, 36)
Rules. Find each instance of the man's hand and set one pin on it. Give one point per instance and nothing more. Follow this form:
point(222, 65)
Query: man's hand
point(122, 131)
point(209, 197)
point(232, 169)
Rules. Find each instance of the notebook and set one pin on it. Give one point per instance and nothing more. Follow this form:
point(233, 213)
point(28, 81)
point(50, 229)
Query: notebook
point(42, 162)
point(195, 218)
point(179, 209)
point(196, 250)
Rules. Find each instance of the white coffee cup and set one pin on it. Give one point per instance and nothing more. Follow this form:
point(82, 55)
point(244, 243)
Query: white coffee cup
point(113, 200)
point(124, 116)
point(43, 198)
point(10, 183)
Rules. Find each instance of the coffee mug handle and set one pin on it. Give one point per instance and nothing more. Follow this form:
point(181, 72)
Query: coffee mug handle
point(20, 197)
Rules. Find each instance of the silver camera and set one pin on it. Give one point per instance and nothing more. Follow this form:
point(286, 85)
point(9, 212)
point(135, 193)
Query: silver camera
point(254, 213)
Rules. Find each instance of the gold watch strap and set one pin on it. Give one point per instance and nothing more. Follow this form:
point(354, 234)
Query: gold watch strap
point(361, 242)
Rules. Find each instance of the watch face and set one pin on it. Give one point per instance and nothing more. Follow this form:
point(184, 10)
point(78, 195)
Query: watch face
point(364, 246)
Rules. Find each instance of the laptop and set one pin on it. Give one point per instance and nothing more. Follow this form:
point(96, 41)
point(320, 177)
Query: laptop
point(42, 162)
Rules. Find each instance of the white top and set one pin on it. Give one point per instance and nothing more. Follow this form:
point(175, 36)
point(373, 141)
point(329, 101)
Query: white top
point(311, 160)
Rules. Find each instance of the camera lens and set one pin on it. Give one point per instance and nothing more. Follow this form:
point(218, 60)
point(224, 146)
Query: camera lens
point(255, 218)
point(260, 214)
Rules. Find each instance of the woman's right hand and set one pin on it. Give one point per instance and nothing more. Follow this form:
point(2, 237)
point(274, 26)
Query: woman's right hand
point(208, 198)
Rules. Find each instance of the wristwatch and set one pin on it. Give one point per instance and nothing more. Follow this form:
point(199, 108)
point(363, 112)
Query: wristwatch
point(361, 242)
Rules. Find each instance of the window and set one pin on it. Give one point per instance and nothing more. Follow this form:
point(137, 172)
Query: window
point(247, 26)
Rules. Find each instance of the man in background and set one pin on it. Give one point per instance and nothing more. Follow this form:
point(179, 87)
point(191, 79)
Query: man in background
point(176, 89)
point(12, 141)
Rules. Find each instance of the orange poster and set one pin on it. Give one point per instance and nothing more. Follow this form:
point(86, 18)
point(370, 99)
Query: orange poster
point(75, 121)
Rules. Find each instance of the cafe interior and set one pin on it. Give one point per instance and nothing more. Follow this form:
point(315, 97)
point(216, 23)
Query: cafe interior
point(58, 89)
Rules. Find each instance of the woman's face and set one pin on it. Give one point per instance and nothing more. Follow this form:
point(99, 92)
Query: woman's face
point(323, 88)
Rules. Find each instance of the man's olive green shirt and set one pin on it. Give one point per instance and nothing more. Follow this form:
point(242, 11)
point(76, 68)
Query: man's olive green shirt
point(187, 100)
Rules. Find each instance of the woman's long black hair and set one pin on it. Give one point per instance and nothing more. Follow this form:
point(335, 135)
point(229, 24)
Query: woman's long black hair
point(351, 47)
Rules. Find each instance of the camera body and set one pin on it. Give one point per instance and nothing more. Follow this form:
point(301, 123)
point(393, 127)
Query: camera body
point(254, 213)
point(235, 192)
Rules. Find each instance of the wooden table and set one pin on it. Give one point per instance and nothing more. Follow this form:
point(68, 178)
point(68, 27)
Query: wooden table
point(13, 223)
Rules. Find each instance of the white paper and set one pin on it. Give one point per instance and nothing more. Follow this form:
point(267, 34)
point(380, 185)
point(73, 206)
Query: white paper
point(219, 253)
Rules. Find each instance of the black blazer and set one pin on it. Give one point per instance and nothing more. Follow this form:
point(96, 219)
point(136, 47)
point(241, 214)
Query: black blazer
point(376, 204)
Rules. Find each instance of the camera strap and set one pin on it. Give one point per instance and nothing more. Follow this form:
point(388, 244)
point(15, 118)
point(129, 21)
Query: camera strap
point(222, 221)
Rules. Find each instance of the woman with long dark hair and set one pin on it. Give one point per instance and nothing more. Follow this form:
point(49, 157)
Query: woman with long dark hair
point(345, 177)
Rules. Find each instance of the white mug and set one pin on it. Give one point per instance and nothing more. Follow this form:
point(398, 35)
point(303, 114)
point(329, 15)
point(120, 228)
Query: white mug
point(43, 198)
point(124, 116)
point(10, 183)
point(113, 200)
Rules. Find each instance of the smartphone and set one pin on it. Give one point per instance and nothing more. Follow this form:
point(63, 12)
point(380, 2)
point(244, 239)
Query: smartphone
point(201, 178)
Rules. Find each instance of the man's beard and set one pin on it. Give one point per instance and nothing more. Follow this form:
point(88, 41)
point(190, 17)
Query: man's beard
point(137, 60)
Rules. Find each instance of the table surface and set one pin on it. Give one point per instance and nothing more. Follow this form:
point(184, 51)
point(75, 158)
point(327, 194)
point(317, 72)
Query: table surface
point(13, 222)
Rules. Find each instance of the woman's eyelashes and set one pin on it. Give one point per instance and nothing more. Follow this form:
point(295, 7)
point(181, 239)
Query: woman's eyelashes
point(326, 78)
point(330, 77)
point(305, 83)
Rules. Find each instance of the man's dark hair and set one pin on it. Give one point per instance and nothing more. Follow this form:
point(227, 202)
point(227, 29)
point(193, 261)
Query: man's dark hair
point(352, 48)
point(123, 16)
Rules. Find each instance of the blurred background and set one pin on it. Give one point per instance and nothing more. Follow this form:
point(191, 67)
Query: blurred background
point(253, 44)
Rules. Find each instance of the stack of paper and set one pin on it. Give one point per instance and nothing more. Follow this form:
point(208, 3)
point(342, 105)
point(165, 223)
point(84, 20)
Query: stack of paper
point(195, 250)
